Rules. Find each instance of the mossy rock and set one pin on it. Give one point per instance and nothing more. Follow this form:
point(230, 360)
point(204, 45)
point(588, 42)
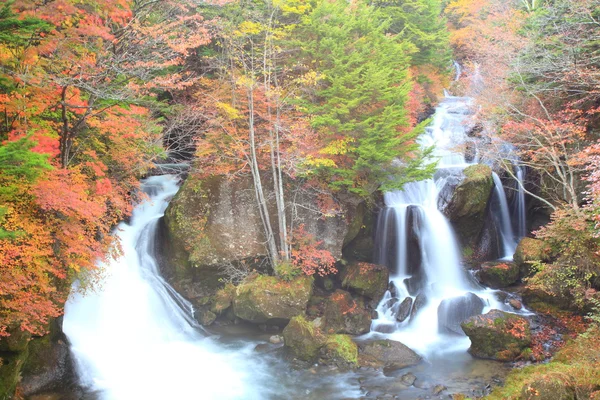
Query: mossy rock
point(343, 314)
point(369, 280)
point(530, 250)
point(497, 335)
point(467, 206)
point(340, 350)
point(498, 274)
point(49, 366)
point(10, 372)
point(261, 298)
point(302, 339)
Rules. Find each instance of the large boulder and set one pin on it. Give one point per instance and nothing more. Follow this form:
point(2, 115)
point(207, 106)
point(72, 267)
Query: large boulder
point(452, 312)
point(215, 220)
point(369, 280)
point(49, 366)
point(498, 274)
point(530, 250)
point(497, 335)
point(467, 206)
point(261, 298)
point(343, 314)
point(303, 339)
point(388, 354)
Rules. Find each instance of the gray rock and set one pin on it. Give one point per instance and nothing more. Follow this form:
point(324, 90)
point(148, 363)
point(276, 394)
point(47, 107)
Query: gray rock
point(404, 309)
point(452, 312)
point(389, 354)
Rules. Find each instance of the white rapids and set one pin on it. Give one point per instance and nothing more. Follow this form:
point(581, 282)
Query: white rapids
point(132, 339)
point(439, 273)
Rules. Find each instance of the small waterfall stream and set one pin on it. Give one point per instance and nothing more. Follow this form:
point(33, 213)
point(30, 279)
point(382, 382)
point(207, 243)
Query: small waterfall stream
point(509, 243)
point(415, 240)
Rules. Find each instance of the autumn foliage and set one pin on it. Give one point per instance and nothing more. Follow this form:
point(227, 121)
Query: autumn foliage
point(78, 87)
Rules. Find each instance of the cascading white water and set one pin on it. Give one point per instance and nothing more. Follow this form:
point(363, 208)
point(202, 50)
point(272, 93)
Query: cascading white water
point(520, 203)
point(439, 276)
point(135, 338)
point(509, 243)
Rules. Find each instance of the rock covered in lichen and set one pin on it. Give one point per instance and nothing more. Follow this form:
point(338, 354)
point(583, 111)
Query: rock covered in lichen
point(261, 298)
point(497, 335)
point(466, 208)
point(343, 314)
point(369, 280)
point(498, 274)
point(303, 339)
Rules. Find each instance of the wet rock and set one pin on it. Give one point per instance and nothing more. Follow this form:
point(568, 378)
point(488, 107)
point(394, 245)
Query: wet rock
point(404, 309)
point(206, 317)
point(388, 354)
point(391, 302)
point(414, 284)
point(530, 250)
point(12, 363)
point(414, 258)
point(516, 304)
point(466, 208)
point(452, 312)
point(276, 339)
point(384, 328)
point(369, 280)
point(408, 379)
point(437, 389)
point(497, 335)
point(302, 339)
point(498, 274)
point(419, 303)
point(343, 314)
point(261, 298)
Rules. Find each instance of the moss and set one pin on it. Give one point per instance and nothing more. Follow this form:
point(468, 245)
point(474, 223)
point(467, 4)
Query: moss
point(497, 335)
point(467, 206)
point(223, 299)
point(10, 370)
point(303, 339)
point(369, 280)
point(342, 348)
point(573, 373)
point(260, 298)
point(498, 275)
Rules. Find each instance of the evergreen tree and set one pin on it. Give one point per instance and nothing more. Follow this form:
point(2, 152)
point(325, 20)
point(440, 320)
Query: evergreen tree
point(359, 100)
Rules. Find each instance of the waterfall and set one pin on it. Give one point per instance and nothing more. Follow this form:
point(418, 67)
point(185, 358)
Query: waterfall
point(506, 231)
point(520, 203)
point(416, 241)
point(135, 337)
